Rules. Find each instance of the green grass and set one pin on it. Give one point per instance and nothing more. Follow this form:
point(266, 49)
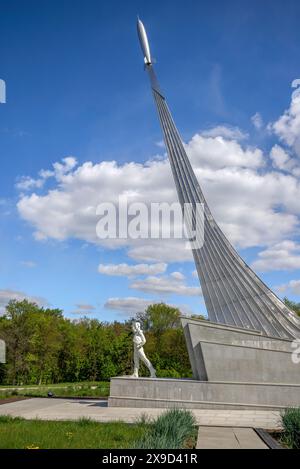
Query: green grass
point(290, 419)
point(85, 389)
point(17, 433)
point(174, 429)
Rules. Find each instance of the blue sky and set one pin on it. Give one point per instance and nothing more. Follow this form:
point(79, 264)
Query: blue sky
point(76, 88)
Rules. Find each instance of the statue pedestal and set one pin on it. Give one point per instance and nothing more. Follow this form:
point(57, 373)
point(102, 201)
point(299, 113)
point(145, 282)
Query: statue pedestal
point(193, 394)
point(233, 368)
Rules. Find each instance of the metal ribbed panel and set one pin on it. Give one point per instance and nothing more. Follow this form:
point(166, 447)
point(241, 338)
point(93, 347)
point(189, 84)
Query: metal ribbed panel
point(233, 293)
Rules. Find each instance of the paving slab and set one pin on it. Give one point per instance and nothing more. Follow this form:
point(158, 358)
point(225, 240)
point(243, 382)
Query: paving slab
point(96, 409)
point(228, 438)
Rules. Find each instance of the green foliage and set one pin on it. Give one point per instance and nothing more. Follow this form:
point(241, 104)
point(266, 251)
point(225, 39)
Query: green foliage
point(290, 419)
point(17, 433)
point(45, 347)
point(159, 317)
point(171, 430)
point(292, 305)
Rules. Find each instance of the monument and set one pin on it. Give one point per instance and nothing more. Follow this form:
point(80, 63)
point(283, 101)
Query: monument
point(242, 356)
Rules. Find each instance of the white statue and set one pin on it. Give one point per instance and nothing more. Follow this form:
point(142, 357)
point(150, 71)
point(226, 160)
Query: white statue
point(139, 354)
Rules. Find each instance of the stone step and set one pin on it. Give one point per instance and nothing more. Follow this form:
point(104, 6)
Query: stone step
point(229, 438)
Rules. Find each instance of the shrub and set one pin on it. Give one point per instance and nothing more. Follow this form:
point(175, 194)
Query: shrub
point(291, 427)
point(170, 430)
point(167, 373)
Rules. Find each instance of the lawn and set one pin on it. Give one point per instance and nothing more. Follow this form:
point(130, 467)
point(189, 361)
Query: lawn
point(17, 433)
point(84, 389)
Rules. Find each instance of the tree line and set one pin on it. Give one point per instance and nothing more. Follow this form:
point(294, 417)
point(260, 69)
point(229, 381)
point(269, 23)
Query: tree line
point(45, 347)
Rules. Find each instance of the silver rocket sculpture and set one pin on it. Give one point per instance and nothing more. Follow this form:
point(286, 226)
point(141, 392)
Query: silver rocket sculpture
point(144, 42)
point(233, 293)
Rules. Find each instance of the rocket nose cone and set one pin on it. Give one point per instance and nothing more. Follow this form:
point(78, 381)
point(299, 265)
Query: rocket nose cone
point(140, 27)
point(143, 41)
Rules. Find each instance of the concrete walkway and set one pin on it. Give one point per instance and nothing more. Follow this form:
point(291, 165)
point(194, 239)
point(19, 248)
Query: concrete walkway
point(229, 438)
point(73, 409)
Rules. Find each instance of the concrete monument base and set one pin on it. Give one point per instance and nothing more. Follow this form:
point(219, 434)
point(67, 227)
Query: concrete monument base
point(184, 393)
point(232, 354)
point(233, 368)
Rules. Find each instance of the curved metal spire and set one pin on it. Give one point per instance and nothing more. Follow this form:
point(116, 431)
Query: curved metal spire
point(233, 293)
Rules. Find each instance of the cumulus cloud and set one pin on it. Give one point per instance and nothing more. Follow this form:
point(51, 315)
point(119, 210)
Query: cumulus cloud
point(6, 295)
point(219, 153)
point(230, 133)
point(82, 308)
point(132, 270)
point(281, 159)
point(128, 305)
point(27, 183)
point(257, 121)
point(165, 285)
point(287, 127)
point(169, 250)
point(256, 204)
point(281, 256)
point(243, 198)
point(292, 287)
point(177, 275)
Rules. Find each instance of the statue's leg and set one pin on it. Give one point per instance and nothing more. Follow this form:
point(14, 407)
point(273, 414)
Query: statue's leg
point(147, 362)
point(136, 360)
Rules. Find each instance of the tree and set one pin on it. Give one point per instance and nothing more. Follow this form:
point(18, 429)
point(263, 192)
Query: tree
point(159, 317)
point(292, 305)
point(32, 339)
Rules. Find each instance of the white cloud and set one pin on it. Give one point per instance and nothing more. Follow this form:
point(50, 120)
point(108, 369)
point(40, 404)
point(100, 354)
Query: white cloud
point(218, 153)
point(165, 285)
point(254, 205)
point(131, 270)
point(281, 159)
point(281, 256)
point(26, 183)
point(195, 273)
point(6, 295)
point(230, 133)
point(128, 305)
point(257, 121)
point(177, 275)
point(287, 127)
point(292, 287)
point(168, 250)
point(83, 309)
